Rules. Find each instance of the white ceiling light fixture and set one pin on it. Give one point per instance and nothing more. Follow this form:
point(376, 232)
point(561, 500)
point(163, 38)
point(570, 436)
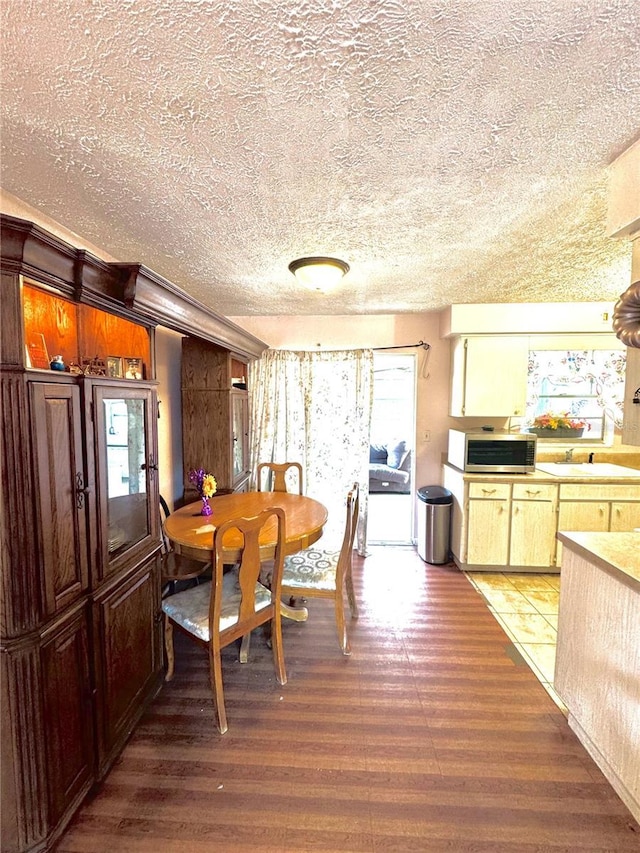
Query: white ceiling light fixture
point(319, 273)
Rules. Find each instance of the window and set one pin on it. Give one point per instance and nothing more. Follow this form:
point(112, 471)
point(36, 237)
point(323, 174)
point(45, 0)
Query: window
point(586, 385)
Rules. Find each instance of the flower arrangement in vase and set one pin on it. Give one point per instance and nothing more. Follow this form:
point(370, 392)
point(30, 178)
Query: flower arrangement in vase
point(206, 486)
point(553, 425)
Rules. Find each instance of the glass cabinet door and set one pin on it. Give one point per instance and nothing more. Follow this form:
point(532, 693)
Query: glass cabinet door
point(239, 428)
point(126, 474)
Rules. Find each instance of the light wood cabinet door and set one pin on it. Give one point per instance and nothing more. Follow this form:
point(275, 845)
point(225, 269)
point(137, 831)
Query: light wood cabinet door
point(533, 533)
point(624, 516)
point(590, 516)
point(488, 532)
point(489, 376)
point(61, 494)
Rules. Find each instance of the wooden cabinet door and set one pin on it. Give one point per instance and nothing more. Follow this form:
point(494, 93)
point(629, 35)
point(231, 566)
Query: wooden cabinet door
point(61, 496)
point(128, 656)
point(489, 376)
point(68, 713)
point(240, 437)
point(533, 533)
point(589, 516)
point(126, 476)
point(206, 437)
point(488, 533)
point(624, 516)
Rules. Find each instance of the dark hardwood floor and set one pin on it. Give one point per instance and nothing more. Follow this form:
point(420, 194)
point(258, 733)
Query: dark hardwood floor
point(432, 736)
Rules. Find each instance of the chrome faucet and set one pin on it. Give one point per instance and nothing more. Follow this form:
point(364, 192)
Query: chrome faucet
point(568, 455)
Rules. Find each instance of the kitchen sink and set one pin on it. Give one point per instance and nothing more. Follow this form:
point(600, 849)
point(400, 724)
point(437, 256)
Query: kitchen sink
point(587, 469)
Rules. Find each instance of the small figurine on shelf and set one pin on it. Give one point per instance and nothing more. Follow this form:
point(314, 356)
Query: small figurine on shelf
point(206, 486)
point(93, 366)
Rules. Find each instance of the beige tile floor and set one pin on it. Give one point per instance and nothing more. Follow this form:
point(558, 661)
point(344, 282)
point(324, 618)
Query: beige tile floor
point(526, 605)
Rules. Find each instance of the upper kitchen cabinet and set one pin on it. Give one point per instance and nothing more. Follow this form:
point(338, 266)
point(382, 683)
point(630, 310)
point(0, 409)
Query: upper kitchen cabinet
point(489, 376)
point(215, 415)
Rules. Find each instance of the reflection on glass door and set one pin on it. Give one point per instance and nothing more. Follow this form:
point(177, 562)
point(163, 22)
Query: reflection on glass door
point(124, 466)
point(127, 499)
point(123, 457)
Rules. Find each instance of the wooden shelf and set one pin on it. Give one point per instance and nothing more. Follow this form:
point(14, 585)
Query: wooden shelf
point(76, 331)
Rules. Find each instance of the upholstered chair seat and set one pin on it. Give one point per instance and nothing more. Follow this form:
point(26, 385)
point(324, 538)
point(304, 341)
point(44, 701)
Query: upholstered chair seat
point(312, 568)
point(190, 609)
point(326, 572)
point(232, 604)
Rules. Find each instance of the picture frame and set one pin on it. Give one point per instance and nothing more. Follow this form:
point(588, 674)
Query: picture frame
point(93, 366)
point(133, 368)
point(37, 354)
point(115, 368)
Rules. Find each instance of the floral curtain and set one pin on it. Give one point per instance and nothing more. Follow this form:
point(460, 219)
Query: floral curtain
point(587, 384)
point(315, 408)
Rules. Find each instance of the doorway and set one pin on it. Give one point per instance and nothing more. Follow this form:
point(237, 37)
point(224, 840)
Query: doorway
point(390, 510)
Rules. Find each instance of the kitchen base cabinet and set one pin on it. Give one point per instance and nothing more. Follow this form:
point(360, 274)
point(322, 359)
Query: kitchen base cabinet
point(588, 516)
point(590, 508)
point(488, 509)
point(510, 523)
point(502, 524)
point(598, 653)
point(533, 525)
point(625, 516)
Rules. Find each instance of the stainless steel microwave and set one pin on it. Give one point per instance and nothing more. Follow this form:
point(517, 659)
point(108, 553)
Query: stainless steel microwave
point(492, 452)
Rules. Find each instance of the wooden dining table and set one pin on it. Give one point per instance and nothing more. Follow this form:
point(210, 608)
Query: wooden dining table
point(191, 533)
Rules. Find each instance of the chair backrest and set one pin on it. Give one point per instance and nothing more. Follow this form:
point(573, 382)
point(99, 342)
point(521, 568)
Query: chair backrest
point(350, 528)
point(278, 475)
point(248, 572)
point(164, 515)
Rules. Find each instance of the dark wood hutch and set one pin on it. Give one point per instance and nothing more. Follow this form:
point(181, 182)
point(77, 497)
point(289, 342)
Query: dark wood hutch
point(80, 619)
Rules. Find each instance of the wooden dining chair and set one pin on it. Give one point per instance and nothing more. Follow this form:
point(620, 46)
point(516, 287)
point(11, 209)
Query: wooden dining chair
point(278, 476)
point(232, 604)
point(319, 572)
point(176, 570)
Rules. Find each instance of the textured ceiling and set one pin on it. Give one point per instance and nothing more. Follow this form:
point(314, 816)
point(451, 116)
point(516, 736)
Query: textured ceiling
point(450, 150)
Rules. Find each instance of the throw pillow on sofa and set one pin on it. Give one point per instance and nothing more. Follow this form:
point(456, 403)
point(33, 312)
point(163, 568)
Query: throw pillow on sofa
point(378, 453)
point(396, 454)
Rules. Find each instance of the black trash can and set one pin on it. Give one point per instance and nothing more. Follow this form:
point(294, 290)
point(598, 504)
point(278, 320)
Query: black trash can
point(434, 523)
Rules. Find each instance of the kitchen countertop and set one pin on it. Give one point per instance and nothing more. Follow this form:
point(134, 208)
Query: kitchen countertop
point(616, 553)
point(539, 476)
